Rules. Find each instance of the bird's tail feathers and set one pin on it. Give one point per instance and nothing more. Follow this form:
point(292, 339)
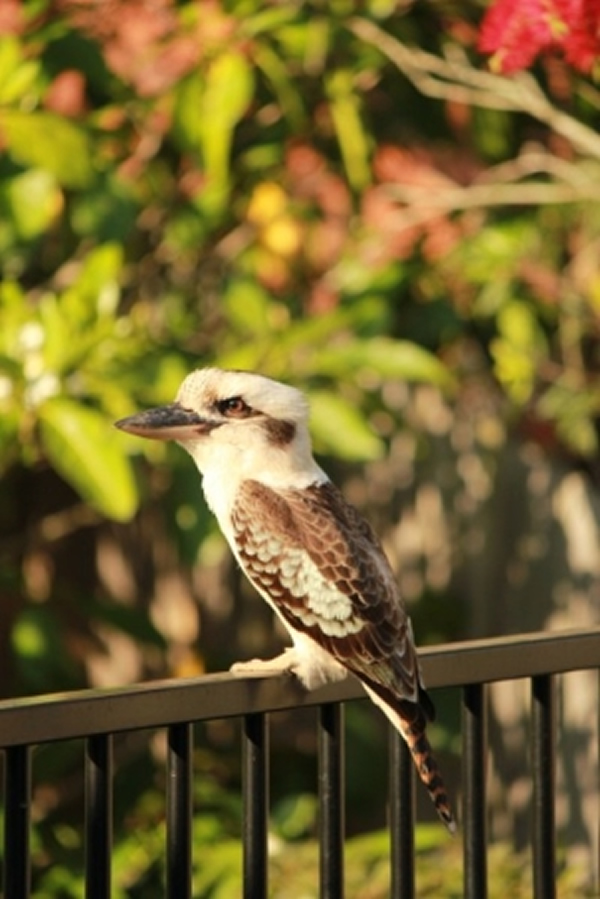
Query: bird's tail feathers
point(428, 770)
point(409, 719)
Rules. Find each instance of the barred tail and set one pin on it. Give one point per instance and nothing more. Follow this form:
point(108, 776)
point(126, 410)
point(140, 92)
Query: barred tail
point(411, 720)
point(428, 771)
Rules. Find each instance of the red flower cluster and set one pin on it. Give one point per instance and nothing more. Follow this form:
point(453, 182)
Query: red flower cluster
point(516, 31)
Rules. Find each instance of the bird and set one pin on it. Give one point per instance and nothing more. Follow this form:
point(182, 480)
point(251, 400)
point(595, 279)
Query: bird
point(308, 552)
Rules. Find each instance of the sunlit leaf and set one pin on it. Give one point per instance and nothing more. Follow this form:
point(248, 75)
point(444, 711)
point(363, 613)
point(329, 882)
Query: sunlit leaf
point(13, 317)
point(387, 358)
point(17, 74)
point(517, 349)
point(88, 454)
point(497, 248)
point(47, 141)
point(353, 140)
point(514, 368)
point(340, 429)
point(58, 333)
point(96, 290)
point(269, 20)
point(406, 360)
point(33, 200)
point(574, 410)
point(227, 93)
point(247, 307)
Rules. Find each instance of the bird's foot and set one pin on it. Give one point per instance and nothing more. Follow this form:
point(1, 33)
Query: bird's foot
point(282, 664)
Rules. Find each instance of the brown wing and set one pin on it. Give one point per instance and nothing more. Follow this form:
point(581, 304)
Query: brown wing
point(322, 566)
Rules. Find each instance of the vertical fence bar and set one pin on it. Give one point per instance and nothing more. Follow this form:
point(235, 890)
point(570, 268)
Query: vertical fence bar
point(179, 811)
point(596, 862)
point(543, 769)
point(331, 801)
point(98, 816)
point(255, 749)
point(17, 799)
point(474, 811)
point(402, 819)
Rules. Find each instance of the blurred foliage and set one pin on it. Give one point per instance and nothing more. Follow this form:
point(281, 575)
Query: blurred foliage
point(294, 865)
point(335, 194)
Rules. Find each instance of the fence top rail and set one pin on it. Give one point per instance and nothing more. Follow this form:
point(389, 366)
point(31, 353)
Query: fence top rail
point(82, 713)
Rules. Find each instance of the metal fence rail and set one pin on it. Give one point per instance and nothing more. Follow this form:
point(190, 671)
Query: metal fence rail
point(97, 715)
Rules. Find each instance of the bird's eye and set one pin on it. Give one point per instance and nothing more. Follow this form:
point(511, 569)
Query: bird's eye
point(234, 407)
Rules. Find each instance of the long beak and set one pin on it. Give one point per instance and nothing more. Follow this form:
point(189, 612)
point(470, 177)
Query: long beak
point(170, 422)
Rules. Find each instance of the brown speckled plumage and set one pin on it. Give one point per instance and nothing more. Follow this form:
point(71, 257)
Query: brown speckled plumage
point(277, 535)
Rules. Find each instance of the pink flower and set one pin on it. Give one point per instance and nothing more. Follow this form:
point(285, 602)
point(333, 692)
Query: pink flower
point(515, 32)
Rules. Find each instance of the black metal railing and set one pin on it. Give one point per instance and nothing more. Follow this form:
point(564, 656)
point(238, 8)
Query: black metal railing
point(97, 715)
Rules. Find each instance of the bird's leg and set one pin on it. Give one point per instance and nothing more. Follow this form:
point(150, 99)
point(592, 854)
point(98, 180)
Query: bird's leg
point(282, 664)
point(311, 666)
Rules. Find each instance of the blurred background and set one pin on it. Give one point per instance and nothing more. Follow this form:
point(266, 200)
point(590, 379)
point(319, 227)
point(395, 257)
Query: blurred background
point(347, 197)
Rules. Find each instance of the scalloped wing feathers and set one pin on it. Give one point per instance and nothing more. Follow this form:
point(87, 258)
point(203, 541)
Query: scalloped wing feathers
point(323, 567)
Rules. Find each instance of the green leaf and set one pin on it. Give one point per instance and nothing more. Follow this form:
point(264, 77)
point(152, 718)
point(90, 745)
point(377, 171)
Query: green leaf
point(270, 20)
point(87, 453)
point(17, 74)
point(107, 210)
point(573, 408)
point(14, 315)
point(247, 307)
point(186, 122)
point(517, 350)
point(43, 140)
point(290, 99)
point(205, 118)
point(227, 94)
point(406, 360)
point(351, 135)
point(59, 333)
point(33, 200)
point(388, 358)
point(228, 91)
point(95, 293)
point(341, 430)
point(497, 248)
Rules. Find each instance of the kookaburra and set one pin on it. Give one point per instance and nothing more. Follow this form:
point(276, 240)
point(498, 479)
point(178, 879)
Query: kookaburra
point(309, 553)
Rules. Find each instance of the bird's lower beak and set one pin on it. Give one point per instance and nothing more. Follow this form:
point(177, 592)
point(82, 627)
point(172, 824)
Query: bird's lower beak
point(170, 422)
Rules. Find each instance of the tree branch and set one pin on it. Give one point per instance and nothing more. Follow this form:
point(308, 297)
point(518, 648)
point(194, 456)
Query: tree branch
point(452, 77)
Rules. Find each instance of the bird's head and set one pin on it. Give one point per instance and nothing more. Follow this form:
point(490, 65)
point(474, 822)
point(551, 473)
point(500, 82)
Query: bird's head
point(231, 417)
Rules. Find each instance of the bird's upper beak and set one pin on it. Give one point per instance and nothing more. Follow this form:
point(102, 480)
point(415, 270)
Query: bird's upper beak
point(170, 422)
